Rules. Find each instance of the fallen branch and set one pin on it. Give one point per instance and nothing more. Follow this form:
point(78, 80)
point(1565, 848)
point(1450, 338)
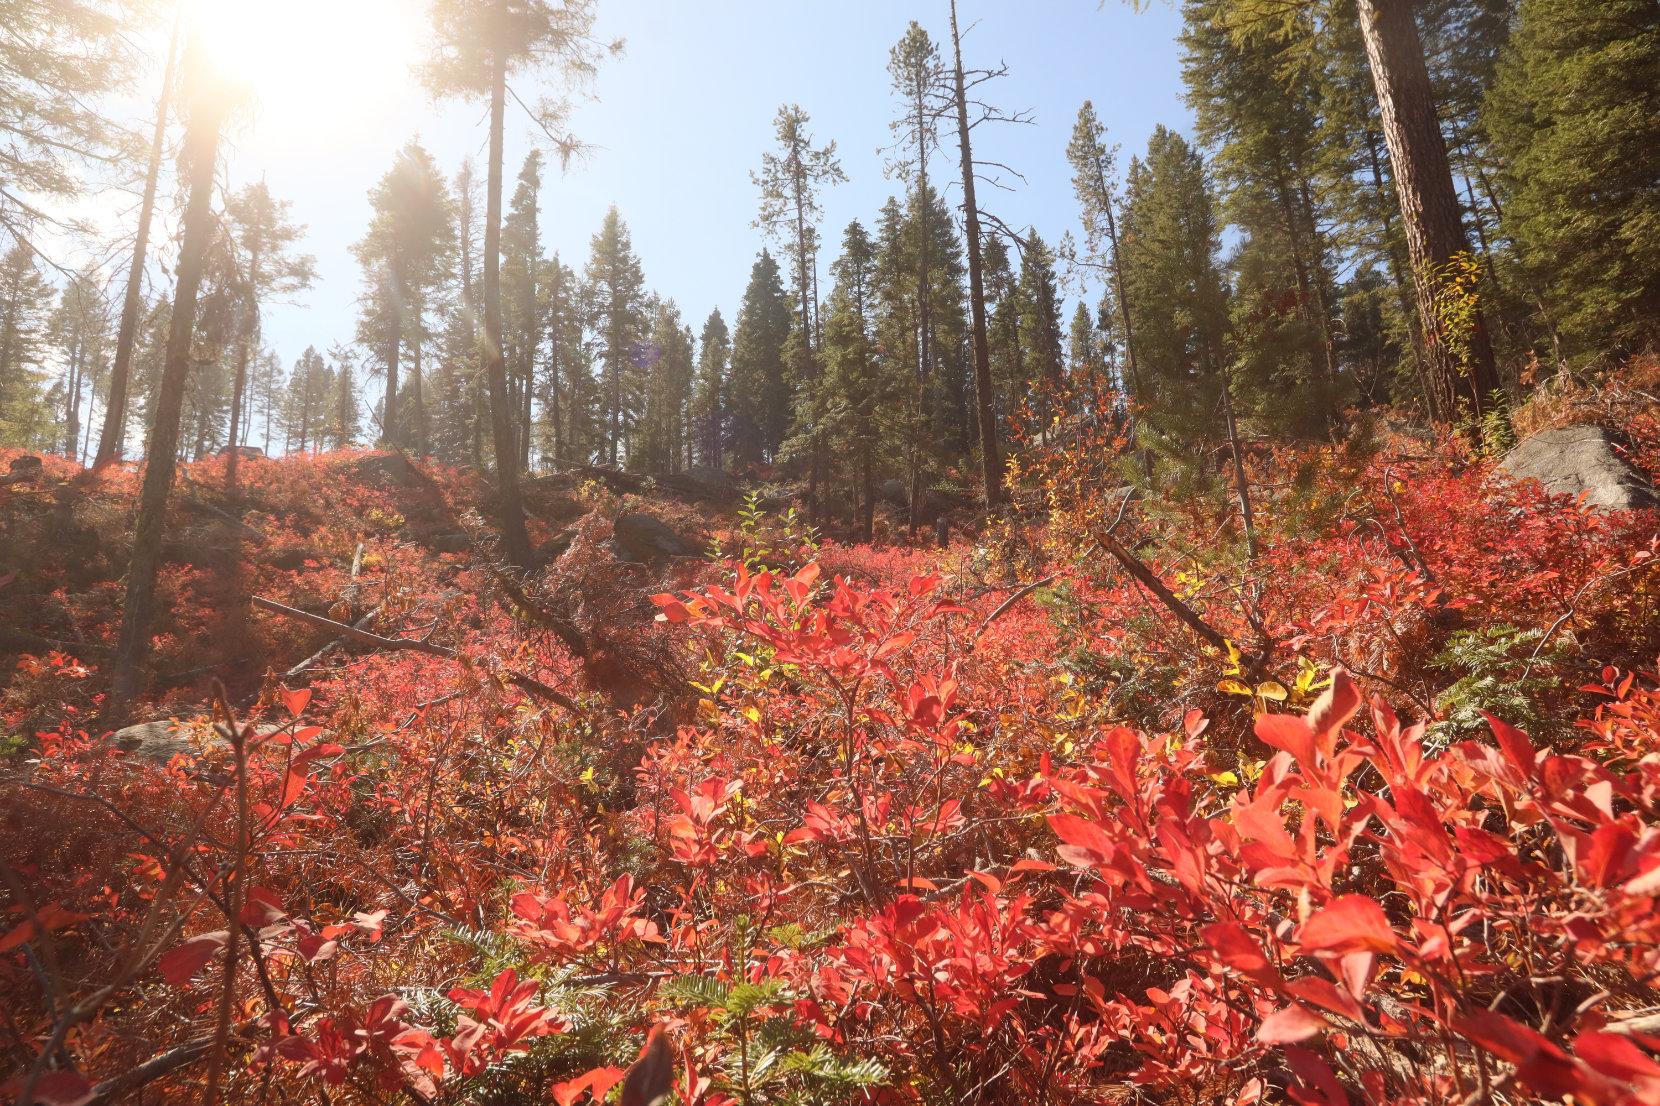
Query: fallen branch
point(363, 637)
point(321, 653)
point(1149, 580)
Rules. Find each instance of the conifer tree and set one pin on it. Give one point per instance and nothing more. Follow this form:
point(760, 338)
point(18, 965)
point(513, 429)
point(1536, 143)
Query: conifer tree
point(80, 331)
point(523, 294)
point(262, 238)
point(406, 255)
point(207, 102)
point(25, 307)
point(1170, 242)
point(1575, 117)
point(616, 305)
point(858, 393)
point(709, 392)
point(917, 76)
point(790, 181)
point(1040, 326)
point(758, 399)
point(476, 47)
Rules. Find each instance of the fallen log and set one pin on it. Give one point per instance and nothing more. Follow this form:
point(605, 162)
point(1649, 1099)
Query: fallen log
point(359, 636)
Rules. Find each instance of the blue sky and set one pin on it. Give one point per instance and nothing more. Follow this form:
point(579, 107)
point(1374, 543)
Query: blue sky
point(682, 117)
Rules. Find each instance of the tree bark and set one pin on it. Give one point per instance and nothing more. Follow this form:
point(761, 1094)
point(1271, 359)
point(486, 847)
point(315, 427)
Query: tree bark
point(515, 541)
point(991, 458)
point(114, 431)
point(244, 351)
point(201, 153)
point(1429, 201)
point(394, 354)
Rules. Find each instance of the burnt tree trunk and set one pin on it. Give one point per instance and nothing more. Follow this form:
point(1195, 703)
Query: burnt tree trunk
point(201, 153)
point(115, 412)
point(515, 541)
point(991, 458)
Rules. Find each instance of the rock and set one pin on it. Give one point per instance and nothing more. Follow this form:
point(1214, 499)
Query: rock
point(642, 538)
point(1573, 459)
point(160, 742)
point(382, 468)
point(245, 452)
point(894, 491)
point(26, 469)
point(704, 482)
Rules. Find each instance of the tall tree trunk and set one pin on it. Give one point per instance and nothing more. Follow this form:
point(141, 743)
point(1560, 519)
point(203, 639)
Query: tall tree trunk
point(394, 355)
point(201, 153)
point(72, 404)
point(115, 411)
point(515, 540)
point(991, 458)
point(920, 429)
point(1429, 201)
point(417, 399)
point(244, 351)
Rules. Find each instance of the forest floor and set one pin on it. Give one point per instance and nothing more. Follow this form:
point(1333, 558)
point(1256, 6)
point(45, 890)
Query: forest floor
point(842, 820)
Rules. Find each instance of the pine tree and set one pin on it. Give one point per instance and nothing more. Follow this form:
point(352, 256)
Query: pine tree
point(1255, 110)
point(1575, 116)
point(263, 240)
point(859, 397)
point(476, 47)
point(918, 84)
point(759, 400)
point(406, 255)
point(80, 331)
point(1170, 243)
point(206, 105)
point(1094, 182)
point(616, 303)
point(1040, 327)
point(523, 294)
point(666, 361)
point(25, 306)
point(58, 63)
point(790, 181)
point(345, 424)
point(709, 394)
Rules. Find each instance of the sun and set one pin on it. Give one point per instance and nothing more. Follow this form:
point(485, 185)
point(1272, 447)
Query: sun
point(312, 67)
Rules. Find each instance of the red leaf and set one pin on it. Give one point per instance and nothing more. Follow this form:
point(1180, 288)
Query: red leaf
point(1087, 844)
point(1349, 923)
point(179, 965)
point(1288, 1026)
point(1335, 707)
point(1288, 732)
point(296, 700)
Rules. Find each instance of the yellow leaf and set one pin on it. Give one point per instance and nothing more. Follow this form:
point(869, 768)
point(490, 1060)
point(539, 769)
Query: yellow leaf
point(1226, 779)
point(1232, 686)
point(1272, 689)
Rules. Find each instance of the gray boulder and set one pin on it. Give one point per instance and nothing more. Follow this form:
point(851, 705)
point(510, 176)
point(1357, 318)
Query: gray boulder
point(159, 742)
point(895, 492)
point(1573, 459)
point(643, 539)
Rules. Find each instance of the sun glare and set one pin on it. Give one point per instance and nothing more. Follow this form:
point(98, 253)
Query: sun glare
point(311, 66)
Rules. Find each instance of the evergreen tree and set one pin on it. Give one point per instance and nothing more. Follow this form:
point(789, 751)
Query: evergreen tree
point(1170, 241)
point(759, 400)
point(1040, 327)
point(1575, 117)
point(523, 293)
point(667, 388)
point(406, 255)
point(616, 305)
point(25, 307)
point(709, 392)
point(859, 397)
point(81, 333)
point(476, 47)
point(263, 239)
